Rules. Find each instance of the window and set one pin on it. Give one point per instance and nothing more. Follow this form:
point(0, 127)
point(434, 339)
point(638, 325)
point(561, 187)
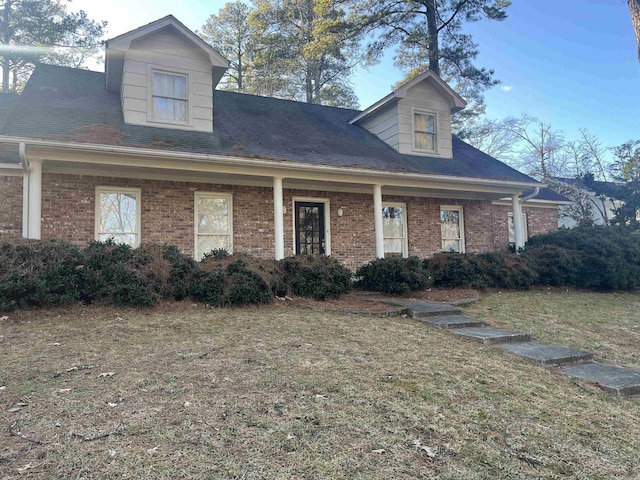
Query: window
point(169, 98)
point(512, 230)
point(394, 228)
point(213, 223)
point(452, 225)
point(424, 131)
point(118, 215)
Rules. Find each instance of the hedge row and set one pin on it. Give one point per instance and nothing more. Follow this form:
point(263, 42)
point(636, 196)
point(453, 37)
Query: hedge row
point(603, 258)
point(49, 273)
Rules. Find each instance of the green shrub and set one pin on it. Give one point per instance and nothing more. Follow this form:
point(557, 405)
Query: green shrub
point(394, 275)
point(555, 266)
point(316, 277)
point(607, 257)
point(38, 273)
point(116, 274)
point(207, 287)
point(247, 279)
point(482, 270)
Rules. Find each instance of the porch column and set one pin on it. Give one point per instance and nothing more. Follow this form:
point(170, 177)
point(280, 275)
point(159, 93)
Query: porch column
point(377, 208)
point(517, 222)
point(278, 220)
point(34, 198)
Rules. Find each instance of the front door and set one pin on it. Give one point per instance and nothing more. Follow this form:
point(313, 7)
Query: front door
point(309, 228)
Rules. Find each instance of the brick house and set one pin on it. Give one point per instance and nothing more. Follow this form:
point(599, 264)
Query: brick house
point(149, 151)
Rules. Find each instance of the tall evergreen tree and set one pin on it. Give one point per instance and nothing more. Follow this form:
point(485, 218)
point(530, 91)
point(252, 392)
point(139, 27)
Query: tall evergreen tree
point(634, 8)
point(429, 34)
point(231, 33)
point(305, 53)
point(34, 31)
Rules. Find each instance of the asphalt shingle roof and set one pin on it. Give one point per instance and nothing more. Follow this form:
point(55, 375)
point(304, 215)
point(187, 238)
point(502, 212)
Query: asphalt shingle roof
point(73, 105)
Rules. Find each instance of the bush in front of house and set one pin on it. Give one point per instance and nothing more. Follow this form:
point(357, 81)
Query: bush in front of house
point(594, 257)
point(394, 275)
point(555, 266)
point(316, 277)
point(246, 279)
point(38, 273)
point(482, 270)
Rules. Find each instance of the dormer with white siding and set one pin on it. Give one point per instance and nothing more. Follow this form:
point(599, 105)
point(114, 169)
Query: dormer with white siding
point(415, 119)
point(165, 75)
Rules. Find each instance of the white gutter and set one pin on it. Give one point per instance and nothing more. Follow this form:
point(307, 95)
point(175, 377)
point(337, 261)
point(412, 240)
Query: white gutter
point(535, 193)
point(286, 165)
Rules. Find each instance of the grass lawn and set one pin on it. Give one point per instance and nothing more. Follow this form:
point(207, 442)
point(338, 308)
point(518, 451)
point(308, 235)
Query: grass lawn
point(605, 324)
point(282, 392)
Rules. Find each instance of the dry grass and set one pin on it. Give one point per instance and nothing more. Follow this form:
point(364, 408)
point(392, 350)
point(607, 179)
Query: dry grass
point(605, 324)
point(283, 393)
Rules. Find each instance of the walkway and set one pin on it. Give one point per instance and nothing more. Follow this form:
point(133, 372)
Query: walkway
point(620, 381)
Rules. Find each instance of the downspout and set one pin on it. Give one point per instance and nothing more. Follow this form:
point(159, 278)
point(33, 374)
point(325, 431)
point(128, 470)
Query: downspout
point(518, 220)
point(22, 151)
point(534, 194)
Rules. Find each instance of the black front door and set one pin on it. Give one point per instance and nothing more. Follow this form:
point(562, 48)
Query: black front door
point(309, 228)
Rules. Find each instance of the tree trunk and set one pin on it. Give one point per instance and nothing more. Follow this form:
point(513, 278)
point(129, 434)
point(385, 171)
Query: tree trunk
point(240, 79)
point(634, 8)
point(432, 36)
point(5, 40)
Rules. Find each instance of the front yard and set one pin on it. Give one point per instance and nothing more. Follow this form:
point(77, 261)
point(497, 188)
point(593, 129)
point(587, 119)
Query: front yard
point(285, 392)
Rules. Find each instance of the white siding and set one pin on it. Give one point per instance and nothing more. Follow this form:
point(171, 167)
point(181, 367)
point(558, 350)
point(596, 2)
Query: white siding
point(384, 125)
point(167, 51)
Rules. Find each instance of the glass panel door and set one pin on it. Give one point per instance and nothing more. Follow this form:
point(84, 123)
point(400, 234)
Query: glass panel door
point(309, 218)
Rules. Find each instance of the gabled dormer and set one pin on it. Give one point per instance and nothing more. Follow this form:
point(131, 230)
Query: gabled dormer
point(165, 74)
point(415, 119)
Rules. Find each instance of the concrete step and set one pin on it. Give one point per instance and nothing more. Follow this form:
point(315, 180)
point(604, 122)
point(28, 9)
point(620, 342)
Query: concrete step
point(548, 355)
point(624, 382)
point(492, 336)
point(455, 321)
point(418, 309)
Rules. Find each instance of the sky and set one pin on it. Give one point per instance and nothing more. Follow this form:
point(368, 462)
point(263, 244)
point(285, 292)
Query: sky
point(571, 64)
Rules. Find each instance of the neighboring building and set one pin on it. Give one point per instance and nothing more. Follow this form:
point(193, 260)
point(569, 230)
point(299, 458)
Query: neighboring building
point(590, 198)
point(150, 152)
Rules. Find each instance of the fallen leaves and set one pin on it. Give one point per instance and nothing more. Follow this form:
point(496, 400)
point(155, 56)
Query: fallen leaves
point(17, 407)
point(106, 374)
point(423, 448)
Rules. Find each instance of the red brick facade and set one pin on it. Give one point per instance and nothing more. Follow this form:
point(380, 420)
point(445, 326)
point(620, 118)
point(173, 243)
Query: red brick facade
point(68, 213)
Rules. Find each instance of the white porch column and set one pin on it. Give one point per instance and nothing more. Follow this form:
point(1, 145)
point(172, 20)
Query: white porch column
point(377, 208)
point(35, 198)
point(278, 220)
point(517, 222)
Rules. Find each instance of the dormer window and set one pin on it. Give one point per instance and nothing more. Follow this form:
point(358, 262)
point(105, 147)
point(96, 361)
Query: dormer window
point(169, 98)
point(424, 131)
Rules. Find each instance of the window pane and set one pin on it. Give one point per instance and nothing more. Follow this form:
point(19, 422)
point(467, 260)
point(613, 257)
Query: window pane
point(180, 110)
point(163, 84)
point(163, 108)
point(393, 221)
point(420, 122)
point(450, 224)
point(451, 246)
point(512, 230)
point(118, 213)
point(425, 141)
point(126, 238)
point(179, 86)
point(206, 243)
point(393, 245)
point(213, 215)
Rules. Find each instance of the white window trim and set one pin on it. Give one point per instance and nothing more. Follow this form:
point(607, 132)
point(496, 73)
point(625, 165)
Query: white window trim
point(460, 209)
point(422, 111)
point(196, 196)
point(175, 71)
point(405, 241)
point(105, 189)
point(526, 227)
point(327, 221)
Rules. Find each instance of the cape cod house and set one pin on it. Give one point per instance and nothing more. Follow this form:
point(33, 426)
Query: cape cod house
point(149, 151)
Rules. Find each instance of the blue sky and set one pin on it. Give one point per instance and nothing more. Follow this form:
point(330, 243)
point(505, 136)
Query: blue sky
point(572, 64)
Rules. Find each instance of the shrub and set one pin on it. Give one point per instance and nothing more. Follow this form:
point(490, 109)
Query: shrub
point(38, 273)
point(394, 275)
point(607, 257)
point(483, 270)
point(247, 279)
point(116, 274)
point(317, 277)
point(555, 266)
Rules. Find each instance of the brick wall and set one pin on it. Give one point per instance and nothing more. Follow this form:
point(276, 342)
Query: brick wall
point(68, 212)
point(11, 206)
